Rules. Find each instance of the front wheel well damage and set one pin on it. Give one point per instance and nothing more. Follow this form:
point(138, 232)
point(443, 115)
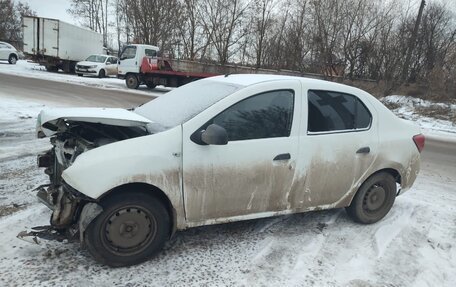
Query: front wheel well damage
point(150, 190)
point(393, 172)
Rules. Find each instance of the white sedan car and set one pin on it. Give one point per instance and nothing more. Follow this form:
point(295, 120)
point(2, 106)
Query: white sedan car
point(8, 53)
point(97, 65)
point(218, 150)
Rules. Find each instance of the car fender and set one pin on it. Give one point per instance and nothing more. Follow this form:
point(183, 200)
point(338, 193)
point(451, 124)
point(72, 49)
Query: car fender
point(155, 160)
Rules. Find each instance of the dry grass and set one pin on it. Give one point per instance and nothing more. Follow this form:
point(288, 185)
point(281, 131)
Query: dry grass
point(441, 113)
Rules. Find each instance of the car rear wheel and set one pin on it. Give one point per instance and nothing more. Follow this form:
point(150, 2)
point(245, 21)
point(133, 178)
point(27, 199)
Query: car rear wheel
point(102, 73)
point(130, 230)
point(80, 75)
point(12, 59)
point(132, 81)
point(374, 199)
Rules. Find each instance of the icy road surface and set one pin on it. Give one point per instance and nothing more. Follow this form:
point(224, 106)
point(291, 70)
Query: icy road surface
point(28, 69)
point(415, 245)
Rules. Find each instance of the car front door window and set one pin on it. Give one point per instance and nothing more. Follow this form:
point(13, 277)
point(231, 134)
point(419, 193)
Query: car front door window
point(266, 115)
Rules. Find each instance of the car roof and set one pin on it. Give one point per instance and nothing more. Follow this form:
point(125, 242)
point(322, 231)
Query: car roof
point(144, 45)
point(252, 79)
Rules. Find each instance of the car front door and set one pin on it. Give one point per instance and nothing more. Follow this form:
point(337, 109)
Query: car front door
point(253, 173)
point(111, 66)
point(338, 145)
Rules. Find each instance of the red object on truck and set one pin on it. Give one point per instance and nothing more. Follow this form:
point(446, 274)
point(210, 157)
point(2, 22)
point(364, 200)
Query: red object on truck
point(158, 71)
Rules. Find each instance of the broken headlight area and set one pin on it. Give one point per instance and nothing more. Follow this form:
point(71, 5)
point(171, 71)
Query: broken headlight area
point(72, 211)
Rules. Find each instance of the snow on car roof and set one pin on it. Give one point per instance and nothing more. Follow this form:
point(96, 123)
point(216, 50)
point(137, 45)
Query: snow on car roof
point(251, 79)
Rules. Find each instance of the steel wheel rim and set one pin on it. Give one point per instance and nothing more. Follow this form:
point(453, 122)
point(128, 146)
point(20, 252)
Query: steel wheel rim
point(131, 81)
point(13, 60)
point(128, 230)
point(375, 198)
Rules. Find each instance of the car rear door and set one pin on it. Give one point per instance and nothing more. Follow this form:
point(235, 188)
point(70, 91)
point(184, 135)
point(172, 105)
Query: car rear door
point(253, 173)
point(339, 143)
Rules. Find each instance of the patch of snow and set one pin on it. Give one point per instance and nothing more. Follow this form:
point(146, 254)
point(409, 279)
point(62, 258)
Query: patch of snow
point(407, 109)
point(30, 69)
point(182, 104)
point(413, 246)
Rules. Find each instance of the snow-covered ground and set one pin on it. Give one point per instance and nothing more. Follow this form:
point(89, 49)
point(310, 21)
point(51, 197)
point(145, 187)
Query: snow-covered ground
point(432, 117)
point(29, 69)
point(415, 245)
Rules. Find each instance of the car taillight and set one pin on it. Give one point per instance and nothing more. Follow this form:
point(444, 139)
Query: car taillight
point(419, 141)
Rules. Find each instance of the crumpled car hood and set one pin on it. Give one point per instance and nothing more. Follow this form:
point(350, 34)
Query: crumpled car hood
point(48, 119)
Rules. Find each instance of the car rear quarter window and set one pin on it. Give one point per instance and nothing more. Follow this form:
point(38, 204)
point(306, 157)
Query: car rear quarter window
point(266, 115)
point(334, 112)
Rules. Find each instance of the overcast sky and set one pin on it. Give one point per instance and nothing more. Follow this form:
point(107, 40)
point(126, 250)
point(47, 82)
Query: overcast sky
point(57, 9)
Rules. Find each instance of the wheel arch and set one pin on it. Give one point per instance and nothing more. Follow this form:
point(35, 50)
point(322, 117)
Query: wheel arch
point(148, 189)
point(395, 173)
point(392, 171)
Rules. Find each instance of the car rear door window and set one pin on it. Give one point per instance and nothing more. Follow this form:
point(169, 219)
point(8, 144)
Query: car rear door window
point(332, 111)
point(266, 115)
point(363, 116)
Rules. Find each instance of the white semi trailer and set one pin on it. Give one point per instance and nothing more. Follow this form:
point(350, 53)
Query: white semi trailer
point(59, 45)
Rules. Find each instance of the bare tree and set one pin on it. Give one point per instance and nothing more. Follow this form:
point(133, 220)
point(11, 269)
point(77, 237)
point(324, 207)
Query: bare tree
point(93, 14)
point(224, 24)
point(263, 19)
point(412, 42)
point(11, 21)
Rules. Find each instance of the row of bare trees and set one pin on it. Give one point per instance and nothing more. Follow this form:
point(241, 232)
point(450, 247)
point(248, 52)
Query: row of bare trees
point(380, 40)
point(11, 21)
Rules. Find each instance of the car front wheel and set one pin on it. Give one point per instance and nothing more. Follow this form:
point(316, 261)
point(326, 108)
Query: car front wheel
point(131, 229)
point(102, 73)
point(374, 198)
point(12, 59)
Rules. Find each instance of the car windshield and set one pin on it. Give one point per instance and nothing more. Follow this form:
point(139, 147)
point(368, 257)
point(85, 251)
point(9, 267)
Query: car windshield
point(180, 105)
point(96, 58)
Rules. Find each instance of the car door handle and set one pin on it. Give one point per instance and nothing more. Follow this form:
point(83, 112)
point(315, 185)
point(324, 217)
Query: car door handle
point(365, 149)
point(283, 156)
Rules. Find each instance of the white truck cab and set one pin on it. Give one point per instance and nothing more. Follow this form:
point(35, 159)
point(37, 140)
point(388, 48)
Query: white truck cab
point(131, 57)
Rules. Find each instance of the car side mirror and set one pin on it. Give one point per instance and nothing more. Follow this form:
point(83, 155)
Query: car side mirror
point(214, 135)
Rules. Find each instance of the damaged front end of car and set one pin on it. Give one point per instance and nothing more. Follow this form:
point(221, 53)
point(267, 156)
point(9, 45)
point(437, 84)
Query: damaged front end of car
point(71, 134)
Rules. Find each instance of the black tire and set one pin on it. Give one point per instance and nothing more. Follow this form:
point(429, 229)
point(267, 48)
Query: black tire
point(80, 75)
point(102, 73)
point(132, 81)
point(12, 59)
point(52, 69)
point(131, 229)
point(374, 199)
point(150, 85)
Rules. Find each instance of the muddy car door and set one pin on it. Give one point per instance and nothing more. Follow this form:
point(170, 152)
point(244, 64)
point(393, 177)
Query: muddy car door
point(252, 173)
point(111, 66)
point(339, 143)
